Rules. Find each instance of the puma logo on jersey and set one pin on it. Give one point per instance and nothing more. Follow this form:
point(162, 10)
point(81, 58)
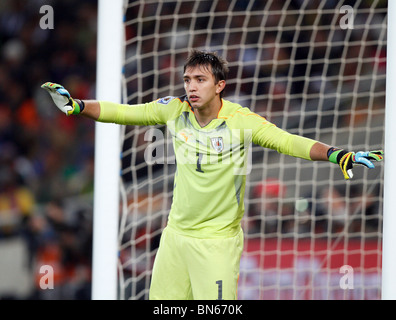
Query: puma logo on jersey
point(185, 136)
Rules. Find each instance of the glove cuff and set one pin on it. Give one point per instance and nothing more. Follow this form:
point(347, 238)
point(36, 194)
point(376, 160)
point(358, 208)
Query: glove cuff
point(335, 155)
point(81, 104)
point(78, 106)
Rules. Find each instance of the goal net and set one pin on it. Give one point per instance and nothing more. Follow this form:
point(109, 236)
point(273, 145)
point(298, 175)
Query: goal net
point(314, 68)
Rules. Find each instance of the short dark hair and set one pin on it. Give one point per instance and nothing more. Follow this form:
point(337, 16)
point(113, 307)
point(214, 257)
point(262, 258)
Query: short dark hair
point(206, 59)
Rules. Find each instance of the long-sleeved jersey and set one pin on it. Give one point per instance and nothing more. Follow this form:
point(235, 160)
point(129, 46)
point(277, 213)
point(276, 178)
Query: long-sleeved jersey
point(212, 161)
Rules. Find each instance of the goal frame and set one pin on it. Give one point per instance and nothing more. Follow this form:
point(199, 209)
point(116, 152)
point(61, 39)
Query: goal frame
point(107, 153)
point(107, 161)
point(389, 219)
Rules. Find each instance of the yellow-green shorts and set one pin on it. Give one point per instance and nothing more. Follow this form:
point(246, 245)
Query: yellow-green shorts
point(187, 268)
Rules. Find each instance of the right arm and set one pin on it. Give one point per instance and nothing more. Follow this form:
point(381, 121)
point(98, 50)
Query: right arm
point(91, 109)
point(104, 111)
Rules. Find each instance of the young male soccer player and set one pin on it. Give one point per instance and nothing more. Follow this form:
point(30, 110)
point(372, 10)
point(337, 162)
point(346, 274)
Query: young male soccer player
point(201, 246)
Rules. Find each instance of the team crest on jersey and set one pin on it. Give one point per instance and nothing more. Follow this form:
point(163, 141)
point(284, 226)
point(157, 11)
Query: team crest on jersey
point(217, 144)
point(165, 100)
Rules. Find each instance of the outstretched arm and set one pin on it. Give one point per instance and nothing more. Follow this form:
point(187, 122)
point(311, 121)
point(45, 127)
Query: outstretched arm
point(105, 111)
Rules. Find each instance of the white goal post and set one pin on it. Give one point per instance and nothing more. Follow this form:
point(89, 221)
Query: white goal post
point(314, 68)
point(107, 152)
point(389, 234)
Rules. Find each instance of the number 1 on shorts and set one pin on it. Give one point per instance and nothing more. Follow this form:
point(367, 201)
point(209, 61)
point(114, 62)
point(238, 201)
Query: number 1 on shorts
point(219, 289)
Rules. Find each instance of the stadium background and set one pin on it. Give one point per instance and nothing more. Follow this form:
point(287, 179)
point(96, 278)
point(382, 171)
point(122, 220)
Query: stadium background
point(46, 159)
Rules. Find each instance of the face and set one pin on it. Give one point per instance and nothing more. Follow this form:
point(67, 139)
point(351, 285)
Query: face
point(201, 87)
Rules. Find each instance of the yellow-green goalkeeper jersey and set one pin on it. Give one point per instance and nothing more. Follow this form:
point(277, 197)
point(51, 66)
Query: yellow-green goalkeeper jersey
point(212, 161)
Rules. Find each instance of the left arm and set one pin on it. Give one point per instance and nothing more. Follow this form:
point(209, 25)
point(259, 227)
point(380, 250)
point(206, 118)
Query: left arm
point(319, 151)
point(272, 137)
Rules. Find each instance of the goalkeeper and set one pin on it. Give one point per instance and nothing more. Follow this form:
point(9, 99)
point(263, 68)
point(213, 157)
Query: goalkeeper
point(201, 246)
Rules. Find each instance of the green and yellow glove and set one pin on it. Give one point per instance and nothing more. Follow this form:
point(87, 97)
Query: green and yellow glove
point(346, 159)
point(62, 99)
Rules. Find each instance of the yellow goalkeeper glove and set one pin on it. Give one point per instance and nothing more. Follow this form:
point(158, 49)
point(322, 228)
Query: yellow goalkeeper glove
point(346, 159)
point(62, 99)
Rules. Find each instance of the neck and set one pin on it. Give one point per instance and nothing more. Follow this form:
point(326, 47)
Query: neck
point(204, 115)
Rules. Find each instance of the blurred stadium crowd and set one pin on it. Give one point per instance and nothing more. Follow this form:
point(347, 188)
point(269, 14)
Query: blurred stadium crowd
point(46, 158)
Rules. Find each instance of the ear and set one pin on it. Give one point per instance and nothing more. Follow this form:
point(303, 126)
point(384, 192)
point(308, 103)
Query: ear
point(220, 86)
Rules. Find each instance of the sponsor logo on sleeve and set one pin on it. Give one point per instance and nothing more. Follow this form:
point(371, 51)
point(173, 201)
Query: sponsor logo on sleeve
point(165, 100)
